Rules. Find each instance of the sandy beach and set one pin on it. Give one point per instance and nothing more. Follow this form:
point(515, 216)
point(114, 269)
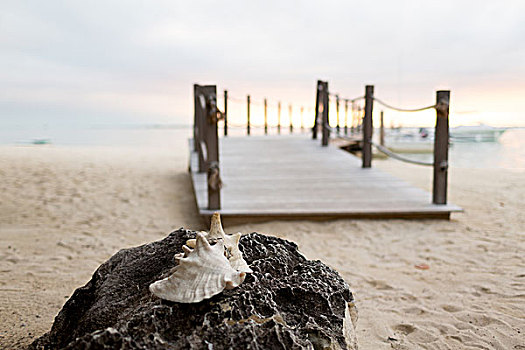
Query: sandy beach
point(64, 211)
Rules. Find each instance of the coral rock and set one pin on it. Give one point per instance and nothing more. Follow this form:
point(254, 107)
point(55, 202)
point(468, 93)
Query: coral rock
point(288, 302)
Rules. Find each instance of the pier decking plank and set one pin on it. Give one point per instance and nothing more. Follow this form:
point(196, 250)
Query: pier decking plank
point(293, 177)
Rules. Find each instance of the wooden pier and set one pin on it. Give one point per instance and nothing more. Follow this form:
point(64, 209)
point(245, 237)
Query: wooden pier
point(293, 177)
point(256, 178)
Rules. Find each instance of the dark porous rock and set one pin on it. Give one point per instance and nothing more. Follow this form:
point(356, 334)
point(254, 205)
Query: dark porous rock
point(288, 302)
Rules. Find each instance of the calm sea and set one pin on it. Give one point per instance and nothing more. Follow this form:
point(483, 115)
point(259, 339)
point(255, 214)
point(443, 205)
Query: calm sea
point(507, 153)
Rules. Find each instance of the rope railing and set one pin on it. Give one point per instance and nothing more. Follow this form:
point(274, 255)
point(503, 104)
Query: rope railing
point(233, 125)
point(285, 114)
point(260, 102)
point(255, 126)
point(389, 152)
point(331, 129)
point(253, 101)
point(403, 109)
point(394, 155)
point(260, 127)
point(345, 99)
point(236, 99)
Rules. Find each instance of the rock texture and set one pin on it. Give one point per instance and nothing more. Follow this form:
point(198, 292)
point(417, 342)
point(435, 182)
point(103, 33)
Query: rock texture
point(288, 302)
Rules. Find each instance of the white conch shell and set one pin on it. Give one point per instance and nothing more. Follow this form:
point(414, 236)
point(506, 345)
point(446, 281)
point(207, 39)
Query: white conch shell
point(203, 273)
point(233, 253)
point(231, 244)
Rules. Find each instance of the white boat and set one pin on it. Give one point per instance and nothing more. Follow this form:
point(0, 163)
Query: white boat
point(476, 133)
point(41, 141)
point(410, 140)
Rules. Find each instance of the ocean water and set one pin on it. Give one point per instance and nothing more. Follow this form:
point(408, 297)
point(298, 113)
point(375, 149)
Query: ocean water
point(507, 153)
point(128, 136)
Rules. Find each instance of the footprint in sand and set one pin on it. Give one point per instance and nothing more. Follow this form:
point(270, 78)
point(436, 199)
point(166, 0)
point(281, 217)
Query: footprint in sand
point(381, 285)
point(404, 328)
point(479, 320)
point(10, 257)
point(451, 308)
point(415, 310)
point(482, 289)
point(417, 335)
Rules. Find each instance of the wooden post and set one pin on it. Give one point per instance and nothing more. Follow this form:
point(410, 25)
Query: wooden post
point(200, 126)
point(352, 127)
point(212, 144)
point(441, 140)
point(248, 115)
point(359, 120)
point(346, 117)
point(225, 112)
point(382, 131)
point(324, 118)
point(302, 119)
point(265, 116)
point(195, 118)
point(290, 117)
point(337, 113)
point(208, 140)
point(368, 126)
point(279, 118)
point(316, 118)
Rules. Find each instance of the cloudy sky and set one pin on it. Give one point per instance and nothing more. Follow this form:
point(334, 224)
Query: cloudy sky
point(110, 62)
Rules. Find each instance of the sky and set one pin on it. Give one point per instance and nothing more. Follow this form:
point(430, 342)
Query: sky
point(123, 62)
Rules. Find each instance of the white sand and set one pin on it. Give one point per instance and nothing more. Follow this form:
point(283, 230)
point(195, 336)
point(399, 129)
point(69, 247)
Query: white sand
point(65, 211)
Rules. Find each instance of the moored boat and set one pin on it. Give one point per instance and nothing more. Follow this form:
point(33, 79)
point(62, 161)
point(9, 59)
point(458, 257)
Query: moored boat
point(476, 133)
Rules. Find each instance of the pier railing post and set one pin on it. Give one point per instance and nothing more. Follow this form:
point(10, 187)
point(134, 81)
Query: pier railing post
point(290, 117)
point(382, 131)
point(212, 144)
point(346, 117)
point(359, 119)
point(225, 112)
point(199, 132)
point(441, 141)
point(338, 127)
point(316, 118)
point(248, 115)
point(279, 117)
point(324, 118)
point(368, 126)
point(195, 118)
point(302, 119)
point(352, 126)
point(265, 116)
point(207, 140)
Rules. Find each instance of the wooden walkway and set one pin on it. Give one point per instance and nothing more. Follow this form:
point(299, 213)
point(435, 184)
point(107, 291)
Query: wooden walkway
point(293, 177)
